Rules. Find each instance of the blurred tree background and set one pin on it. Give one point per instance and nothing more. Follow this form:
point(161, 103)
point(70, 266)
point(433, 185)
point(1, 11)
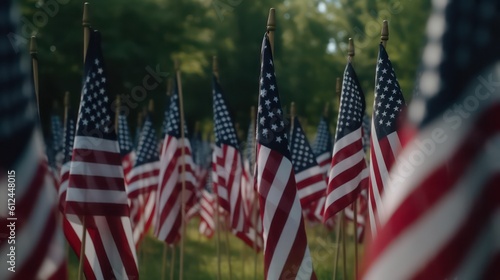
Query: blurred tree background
point(310, 49)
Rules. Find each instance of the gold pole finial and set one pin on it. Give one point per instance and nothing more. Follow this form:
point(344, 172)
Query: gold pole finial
point(384, 35)
point(151, 105)
point(350, 50)
point(66, 99)
point(33, 46)
point(176, 64)
point(292, 110)
point(271, 27)
point(86, 29)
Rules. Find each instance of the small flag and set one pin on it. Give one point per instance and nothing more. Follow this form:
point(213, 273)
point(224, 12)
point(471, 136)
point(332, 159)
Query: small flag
point(310, 179)
point(323, 145)
point(385, 143)
point(96, 190)
point(143, 182)
point(286, 253)
point(168, 204)
point(348, 173)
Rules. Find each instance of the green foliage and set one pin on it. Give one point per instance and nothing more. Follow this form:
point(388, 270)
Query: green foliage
point(138, 34)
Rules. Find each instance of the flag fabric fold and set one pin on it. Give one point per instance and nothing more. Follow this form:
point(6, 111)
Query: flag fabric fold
point(286, 253)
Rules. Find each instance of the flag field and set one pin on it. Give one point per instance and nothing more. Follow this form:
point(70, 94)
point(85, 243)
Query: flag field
point(201, 261)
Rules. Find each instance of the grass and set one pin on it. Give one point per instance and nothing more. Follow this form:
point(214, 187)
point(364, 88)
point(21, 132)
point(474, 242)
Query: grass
point(200, 257)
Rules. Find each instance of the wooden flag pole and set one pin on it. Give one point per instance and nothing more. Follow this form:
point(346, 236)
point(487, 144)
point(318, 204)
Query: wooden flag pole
point(271, 27)
point(86, 39)
point(228, 251)
point(183, 170)
point(164, 260)
point(172, 263)
point(344, 255)
point(351, 53)
point(34, 61)
point(217, 239)
point(337, 251)
point(384, 35)
point(215, 71)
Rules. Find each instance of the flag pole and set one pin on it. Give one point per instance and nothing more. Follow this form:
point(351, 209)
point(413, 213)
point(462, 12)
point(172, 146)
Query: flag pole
point(172, 263)
point(183, 169)
point(34, 61)
point(215, 72)
point(271, 27)
point(163, 260)
point(351, 54)
point(86, 39)
point(384, 35)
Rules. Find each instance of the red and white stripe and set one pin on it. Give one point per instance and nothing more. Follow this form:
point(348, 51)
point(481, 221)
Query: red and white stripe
point(227, 167)
point(382, 157)
point(348, 173)
point(168, 203)
point(441, 217)
point(105, 258)
point(285, 242)
point(207, 222)
point(141, 190)
point(128, 162)
point(96, 179)
point(39, 252)
point(324, 161)
point(311, 185)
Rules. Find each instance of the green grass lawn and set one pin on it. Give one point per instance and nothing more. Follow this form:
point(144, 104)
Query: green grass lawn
point(200, 257)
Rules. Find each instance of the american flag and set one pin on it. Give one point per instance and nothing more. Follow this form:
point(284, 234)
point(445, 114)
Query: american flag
point(323, 145)
point(226, 161)
point(126, 147)
point(286, 253)
point(207, 222)
point(385, 143)
point(441, 217)
point(96, 190)
point(310, 179)
point(168, 202)
point(348, 173)
point(25, 181)
point(143, 182)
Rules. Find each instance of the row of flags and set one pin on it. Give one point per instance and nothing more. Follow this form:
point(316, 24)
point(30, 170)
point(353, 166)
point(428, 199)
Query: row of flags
point(428, 189)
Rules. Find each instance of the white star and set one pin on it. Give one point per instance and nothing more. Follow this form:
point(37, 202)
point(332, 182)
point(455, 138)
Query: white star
point(272, 87)
point(274, 127)
point(388, 123)
point(384, 71)
point(99, 70)
point(380, 60)
point(268, 75)
point(263, 93)
point(96, 61)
